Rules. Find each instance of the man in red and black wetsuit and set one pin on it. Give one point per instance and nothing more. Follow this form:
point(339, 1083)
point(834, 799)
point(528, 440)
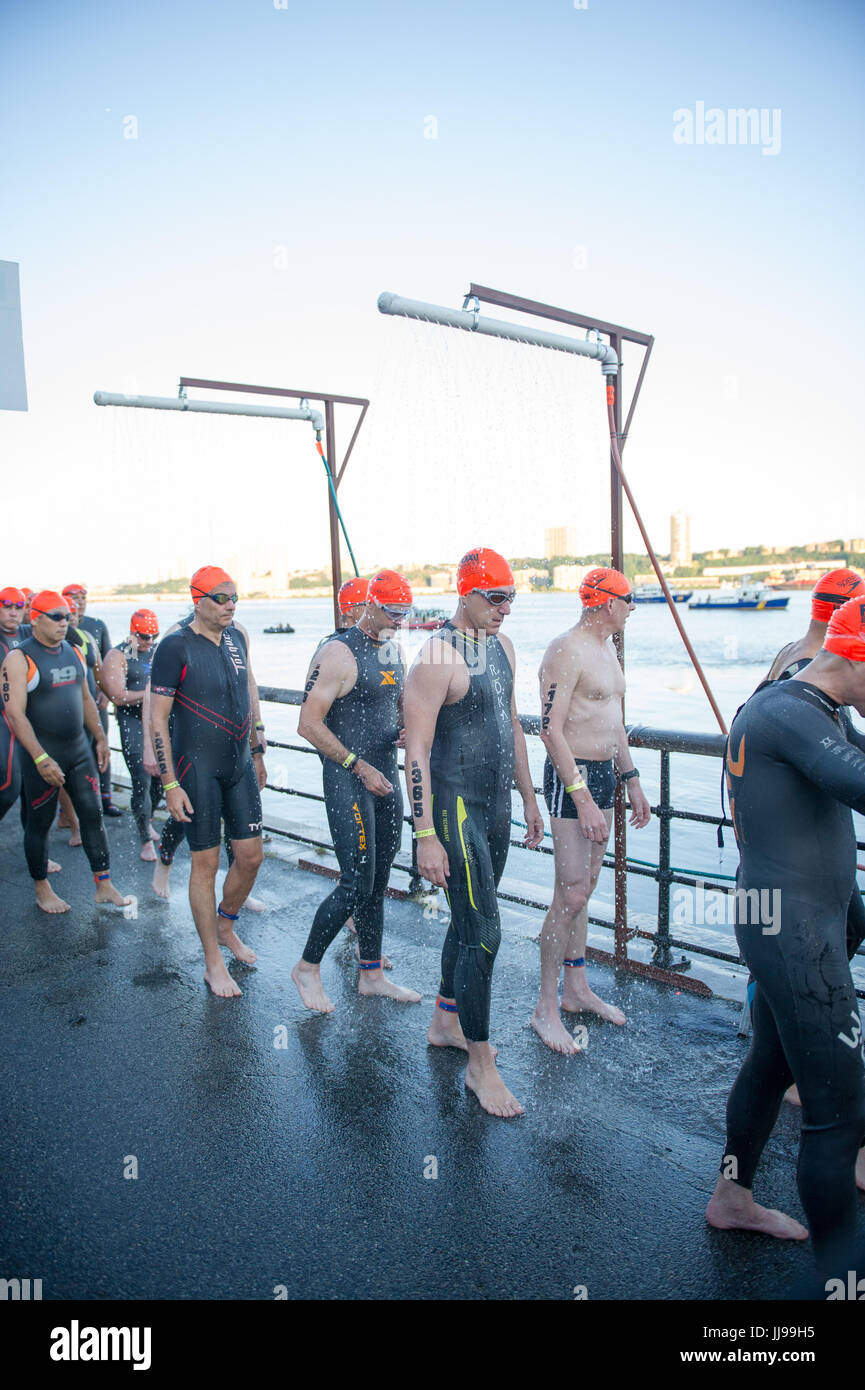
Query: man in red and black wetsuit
point(99, 632)
point(48, 706)
point(12, 604)
point(200, 674)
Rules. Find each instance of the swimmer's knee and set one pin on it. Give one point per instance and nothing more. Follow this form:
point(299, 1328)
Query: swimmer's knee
point(570, 898)
point(248, 854)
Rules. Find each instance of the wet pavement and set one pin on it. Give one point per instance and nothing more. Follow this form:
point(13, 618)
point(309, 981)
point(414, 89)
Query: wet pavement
point(340, 1157)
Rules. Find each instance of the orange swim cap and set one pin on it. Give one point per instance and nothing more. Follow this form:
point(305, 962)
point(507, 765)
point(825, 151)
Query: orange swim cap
point(12, 595)
point(145, 622)
point(47, 601)
point(603, 583)
point(351, 592)
point(389, 587)
point(483, 569)
point(70, 602)
point(846, 633)
point(75, 589)
point(206, 579)
point(28, 593)
point(835, 588)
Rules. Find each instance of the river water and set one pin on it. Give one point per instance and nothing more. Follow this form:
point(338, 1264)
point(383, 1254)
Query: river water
point(734, 648)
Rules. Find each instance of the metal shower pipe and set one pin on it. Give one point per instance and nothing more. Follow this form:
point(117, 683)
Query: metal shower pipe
point(315, 418)
point(474, 322)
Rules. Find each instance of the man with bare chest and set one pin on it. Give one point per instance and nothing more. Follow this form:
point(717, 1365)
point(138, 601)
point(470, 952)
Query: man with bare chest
point(583, 731)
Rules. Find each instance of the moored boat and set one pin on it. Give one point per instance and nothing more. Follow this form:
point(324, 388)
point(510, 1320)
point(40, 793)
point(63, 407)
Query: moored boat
point(280, 628)
point(752, 596)
point(426, 618)
point(653, 593)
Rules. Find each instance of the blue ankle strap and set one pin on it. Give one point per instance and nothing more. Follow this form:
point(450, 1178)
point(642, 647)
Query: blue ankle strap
point(370, 965)
point(449, 1008)
point(577, 961)
point(231, 916)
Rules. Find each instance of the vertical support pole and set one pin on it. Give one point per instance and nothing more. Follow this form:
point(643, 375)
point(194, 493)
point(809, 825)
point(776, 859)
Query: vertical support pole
point(335, 560)
point(620, 848)
point(661, 954)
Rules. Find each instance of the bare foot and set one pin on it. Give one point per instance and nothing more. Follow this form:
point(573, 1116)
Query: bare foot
point(733, 1208)
point(220, 982)
point(54, 867)
point(228, 937)
point(107, 893)
point(445, 1031)
point(309, 987)
point(492, 1093)
point(860, 1170)
point(386, 962)
point(792, 1096)
point(584, 1000)
point(254, 905)
point(47, 899)
point(160, 879)
point(154, 835)
point(148, 853)
point(75, 838)
point(552, 1031)
point(373, 982)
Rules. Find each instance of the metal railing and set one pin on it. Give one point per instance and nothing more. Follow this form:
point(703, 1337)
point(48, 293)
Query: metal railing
point(665, 742)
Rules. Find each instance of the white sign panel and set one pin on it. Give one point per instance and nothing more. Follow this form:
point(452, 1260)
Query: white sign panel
point(13, 384)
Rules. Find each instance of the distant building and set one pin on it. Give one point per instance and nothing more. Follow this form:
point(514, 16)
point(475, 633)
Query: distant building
point(569, 576)
point(680, 539)
point(559, 540)
point(857, 546)
point(525, 579)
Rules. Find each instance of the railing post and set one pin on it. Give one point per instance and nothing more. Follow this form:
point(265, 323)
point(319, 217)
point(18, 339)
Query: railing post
point(662, 955)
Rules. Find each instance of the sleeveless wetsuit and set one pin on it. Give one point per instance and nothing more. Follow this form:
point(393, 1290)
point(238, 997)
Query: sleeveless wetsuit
point(55, 676)
point(792, 775)
point(144, 787)
point(471, 772)
point(10, 764)
point(210, 738)
point(99, 632)
point(366, 829)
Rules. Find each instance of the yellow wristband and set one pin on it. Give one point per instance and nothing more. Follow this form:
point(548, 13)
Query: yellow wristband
point(41, 758)
point(350, 760)
point(422, 834)
point(169, 786)
point(575, 786)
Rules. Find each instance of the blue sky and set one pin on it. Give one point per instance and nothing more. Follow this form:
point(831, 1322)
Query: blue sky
point(281, 178)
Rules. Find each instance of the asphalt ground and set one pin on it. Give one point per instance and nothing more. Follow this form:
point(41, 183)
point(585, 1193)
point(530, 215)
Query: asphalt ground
point(340, 1157)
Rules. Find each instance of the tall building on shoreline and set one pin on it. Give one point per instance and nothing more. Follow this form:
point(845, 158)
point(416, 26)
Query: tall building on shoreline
point(559, 540)
point(680, 539)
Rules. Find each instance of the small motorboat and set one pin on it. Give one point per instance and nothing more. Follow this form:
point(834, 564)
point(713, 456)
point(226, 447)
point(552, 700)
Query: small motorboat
point(653, 593)
point(427, 619)
point(280, 628)
point(752, 596)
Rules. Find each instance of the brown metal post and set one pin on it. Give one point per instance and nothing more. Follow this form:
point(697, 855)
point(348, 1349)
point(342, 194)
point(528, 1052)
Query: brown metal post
point(617, 560)
point(335, 560)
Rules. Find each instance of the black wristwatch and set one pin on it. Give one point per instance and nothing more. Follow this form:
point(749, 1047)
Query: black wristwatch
point(257, 749)
point(626, 776)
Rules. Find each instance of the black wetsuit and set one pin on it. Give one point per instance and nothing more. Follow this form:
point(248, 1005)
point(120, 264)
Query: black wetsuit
point(792, 776)
point(856, 910)
point(472, 771)
point(366, 829)
point(144, 787)
point(210, 737)
point(10, 763)
point(55, 676)
point(98, 630)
